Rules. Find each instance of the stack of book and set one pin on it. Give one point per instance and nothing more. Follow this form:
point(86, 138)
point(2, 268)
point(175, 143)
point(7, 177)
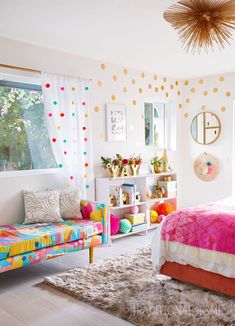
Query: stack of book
point(130, 189)
point(137, 220)
point(139, 227)
point(118, 190)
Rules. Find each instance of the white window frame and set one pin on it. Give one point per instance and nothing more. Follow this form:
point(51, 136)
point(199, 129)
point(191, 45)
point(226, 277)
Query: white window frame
point(170, 123)
point(30, 78)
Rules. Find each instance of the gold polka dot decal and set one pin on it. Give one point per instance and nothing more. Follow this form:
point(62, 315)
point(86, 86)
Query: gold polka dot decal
point(150, 86)
point(102, 136)
point(215, 90)
point(142, 74)
point(228, 94)
point(203, 107)
point(171, 87)
point(97, 109)
point(221, 79)
point(187, 100)
point(178, 93)
point(205, 93)
point(125, 71)
point(102, 66)
point(133, 81)
point(186, 82)
point(155, 77)
point(140, 90)
point(201, 81)
point(180, 106)
point(167, 94)
point(162, 87)
point(223, 109)
point(134, 102)
point(86, 115)
point(164, 79)
point(176, 83)
point(113, 98)
point(186, 115)
point(193, 90)
point(114, 77)
point(99, 83)
point(156, 89)
point(124, 89)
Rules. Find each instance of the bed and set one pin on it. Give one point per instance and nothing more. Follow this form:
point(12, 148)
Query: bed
point(197, 245)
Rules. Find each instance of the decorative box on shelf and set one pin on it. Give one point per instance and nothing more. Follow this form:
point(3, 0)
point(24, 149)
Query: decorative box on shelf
point(142, 195)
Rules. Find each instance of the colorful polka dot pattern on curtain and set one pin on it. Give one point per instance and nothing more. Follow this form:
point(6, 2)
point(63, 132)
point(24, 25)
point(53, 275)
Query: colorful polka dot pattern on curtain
point(66, 102)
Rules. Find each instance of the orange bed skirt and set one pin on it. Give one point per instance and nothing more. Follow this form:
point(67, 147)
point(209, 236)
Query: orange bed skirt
point(200, 277)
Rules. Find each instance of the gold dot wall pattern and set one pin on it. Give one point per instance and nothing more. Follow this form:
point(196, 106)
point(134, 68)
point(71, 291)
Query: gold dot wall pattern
point(166, 90)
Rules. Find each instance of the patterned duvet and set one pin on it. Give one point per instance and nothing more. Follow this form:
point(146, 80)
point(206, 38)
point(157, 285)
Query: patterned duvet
point(202, 236)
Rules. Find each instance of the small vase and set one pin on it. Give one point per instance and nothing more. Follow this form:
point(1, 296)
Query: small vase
point(114, 172)
point(123, 172)
point(134, 169)
point(157, 168)
point(138, 169)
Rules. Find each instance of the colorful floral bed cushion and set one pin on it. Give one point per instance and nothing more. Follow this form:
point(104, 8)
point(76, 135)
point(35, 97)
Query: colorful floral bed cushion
point(19, 238)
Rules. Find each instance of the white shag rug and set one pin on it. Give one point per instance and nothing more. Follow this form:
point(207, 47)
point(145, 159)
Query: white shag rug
point(127, 287)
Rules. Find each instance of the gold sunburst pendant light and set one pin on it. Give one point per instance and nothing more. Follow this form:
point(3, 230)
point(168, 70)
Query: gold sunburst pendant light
point(202, 23)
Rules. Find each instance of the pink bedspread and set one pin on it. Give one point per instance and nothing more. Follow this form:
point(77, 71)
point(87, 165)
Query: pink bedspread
point(210, 226)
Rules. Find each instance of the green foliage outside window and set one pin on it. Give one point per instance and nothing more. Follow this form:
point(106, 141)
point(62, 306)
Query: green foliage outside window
point(24, 141)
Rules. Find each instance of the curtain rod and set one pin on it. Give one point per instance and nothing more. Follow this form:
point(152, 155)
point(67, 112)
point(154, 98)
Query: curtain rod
point(19, 68)
point(25, 69)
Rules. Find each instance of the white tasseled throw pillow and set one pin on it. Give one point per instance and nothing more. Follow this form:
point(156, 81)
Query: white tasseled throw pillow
point(42, 207)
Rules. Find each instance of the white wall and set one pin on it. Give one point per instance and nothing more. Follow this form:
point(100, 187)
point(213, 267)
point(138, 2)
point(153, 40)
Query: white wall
point(191, 190)
point(221, 93)
point(153, 87)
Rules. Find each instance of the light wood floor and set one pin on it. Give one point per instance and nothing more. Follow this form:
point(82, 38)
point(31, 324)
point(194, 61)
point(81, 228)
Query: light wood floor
point(24, 300)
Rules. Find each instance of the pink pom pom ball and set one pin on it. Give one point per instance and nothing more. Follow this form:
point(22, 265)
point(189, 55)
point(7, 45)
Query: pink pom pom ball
point(114, 224)
point(160, 218)
point(134, 210)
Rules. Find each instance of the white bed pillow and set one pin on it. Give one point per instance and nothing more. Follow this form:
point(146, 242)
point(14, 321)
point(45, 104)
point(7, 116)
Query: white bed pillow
point(42, 207)
point(70, 204)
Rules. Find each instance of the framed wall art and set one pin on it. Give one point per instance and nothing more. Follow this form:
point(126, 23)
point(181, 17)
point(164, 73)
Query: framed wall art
point(116, 122)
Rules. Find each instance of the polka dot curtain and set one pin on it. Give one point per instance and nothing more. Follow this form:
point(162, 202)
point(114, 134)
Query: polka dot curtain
point(66, 101)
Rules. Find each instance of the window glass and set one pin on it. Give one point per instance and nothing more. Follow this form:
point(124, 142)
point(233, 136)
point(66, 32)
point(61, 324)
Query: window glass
point(155, 124)
point(24, 141)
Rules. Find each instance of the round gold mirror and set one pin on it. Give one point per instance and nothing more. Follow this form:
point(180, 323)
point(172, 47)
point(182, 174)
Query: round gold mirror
point(205, 128)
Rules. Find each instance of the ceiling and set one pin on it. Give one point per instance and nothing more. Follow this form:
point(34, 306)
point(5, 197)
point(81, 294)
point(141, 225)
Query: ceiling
point(131, 33)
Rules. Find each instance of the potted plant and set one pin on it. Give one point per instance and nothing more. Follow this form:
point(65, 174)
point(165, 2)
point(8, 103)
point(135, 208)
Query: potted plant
point(156, 163)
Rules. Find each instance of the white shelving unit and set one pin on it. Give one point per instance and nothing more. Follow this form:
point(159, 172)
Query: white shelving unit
point(143, 183)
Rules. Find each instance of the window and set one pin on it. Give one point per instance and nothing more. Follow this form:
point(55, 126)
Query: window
point(155, 124)
point(24, 141)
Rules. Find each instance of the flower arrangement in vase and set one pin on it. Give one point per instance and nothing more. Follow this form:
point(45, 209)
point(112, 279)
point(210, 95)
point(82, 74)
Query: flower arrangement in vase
point(156, 163)
point(111, 165)
point(123, 166)
point(135, 164)
point(116, 166)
